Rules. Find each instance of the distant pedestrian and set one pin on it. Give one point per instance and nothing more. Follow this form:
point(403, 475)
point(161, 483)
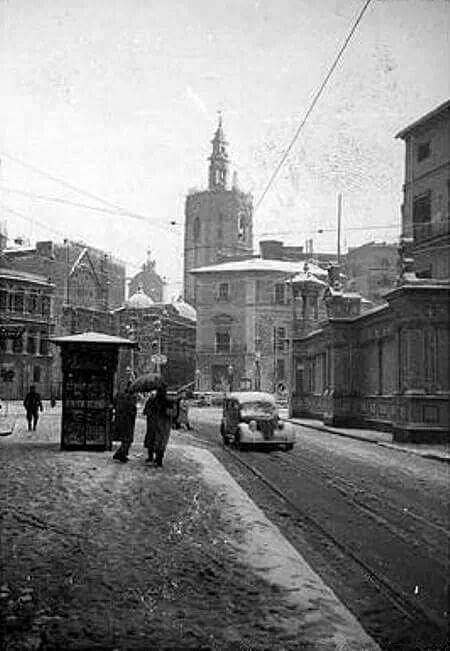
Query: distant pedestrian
point(32, 404)
point(183, 412)
point(159, 411)
point(124, 422)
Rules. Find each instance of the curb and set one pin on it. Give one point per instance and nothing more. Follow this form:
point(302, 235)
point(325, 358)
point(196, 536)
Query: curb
point(426, 455)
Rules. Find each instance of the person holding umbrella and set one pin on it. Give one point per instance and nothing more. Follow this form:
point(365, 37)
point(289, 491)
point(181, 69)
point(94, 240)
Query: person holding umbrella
point(159, 411)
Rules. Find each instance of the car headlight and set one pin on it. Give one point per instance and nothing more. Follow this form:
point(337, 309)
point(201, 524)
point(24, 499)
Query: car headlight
point(252, 425)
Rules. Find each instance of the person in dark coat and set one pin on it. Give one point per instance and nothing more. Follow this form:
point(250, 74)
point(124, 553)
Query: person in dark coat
point(159, 412)
point(32, 404)
point(125, 418)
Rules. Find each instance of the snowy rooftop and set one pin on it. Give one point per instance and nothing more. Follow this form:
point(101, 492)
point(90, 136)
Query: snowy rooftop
point(24, 276)
point(252, 396)
point(184, 309)
point(261, 265)
point(308, 277)
point(93, 338)
point(139, 301)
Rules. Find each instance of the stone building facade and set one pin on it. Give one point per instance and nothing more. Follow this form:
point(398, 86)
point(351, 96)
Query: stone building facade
point(218, 221)
point(82, 275)
point(245, 315)
point(87, 284)
point(385, 369)
point(426, 191)
point(388, 368)
point(26, 323)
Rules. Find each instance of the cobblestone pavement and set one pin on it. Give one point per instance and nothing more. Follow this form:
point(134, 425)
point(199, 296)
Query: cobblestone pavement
point(96, 554)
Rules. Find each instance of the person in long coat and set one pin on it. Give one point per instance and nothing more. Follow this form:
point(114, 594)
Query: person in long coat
point(32, 404)
point(159, 411)
point(124, 421)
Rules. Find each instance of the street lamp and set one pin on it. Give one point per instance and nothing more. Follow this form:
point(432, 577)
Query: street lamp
point(257, 371)
point(230, 376)
point(197, 378)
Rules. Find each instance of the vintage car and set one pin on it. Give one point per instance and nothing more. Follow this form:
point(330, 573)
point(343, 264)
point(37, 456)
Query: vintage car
point(251, 419)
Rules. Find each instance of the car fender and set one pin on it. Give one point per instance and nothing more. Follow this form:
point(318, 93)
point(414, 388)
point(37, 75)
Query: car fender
point(245, 433)
point(288, 432)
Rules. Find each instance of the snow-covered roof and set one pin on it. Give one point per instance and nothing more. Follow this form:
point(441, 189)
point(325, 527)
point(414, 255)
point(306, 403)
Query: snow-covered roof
point(139, 301)
point(308, 277)
point(184, 309)
point(24, 276)
point(252, 396)
point(93, 338)
point(261, 265)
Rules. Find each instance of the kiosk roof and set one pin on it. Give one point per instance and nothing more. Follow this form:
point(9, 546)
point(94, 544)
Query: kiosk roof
point(93, 338)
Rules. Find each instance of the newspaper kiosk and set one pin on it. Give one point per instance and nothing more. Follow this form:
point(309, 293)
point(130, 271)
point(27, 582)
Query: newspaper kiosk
point(89, 364)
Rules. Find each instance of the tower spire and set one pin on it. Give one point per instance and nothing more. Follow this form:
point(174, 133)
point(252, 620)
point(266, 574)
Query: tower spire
point(218, 161)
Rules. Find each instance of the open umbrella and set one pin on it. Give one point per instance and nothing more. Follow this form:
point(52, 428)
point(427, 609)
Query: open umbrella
point(146, 382)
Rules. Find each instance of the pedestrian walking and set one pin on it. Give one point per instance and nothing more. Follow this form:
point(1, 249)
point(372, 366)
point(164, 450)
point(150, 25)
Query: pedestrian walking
point(159, 411)
point(124, 421)
point(32, 404)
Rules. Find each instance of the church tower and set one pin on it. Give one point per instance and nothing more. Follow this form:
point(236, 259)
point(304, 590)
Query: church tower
point(218, 161)
point(218, 221)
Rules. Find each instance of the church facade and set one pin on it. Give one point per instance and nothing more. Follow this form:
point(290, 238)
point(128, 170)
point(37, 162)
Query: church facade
point(218, 221)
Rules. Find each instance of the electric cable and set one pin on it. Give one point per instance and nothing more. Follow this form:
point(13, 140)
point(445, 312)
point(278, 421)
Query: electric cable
point(313, 103)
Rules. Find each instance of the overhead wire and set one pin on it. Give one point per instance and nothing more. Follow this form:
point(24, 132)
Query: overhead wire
point(76, 204)
point(313, 103)
point(55, 231)
point(119, 210)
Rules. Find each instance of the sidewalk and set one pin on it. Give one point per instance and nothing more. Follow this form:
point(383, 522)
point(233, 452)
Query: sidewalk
point(97, 554)
point(436, 452)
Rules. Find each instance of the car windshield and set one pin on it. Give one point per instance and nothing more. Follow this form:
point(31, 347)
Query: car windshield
point(258, 408)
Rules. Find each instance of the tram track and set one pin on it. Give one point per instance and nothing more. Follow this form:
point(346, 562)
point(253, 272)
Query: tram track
point(371, 573)
point(348, 491)
point(397, 596)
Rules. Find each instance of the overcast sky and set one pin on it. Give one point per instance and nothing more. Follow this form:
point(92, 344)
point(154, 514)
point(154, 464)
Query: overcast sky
point(120, 98)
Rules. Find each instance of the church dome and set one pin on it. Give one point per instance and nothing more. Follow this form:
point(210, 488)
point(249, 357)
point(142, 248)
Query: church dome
point(139, 300)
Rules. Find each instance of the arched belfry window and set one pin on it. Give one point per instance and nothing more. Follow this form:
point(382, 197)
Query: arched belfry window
point(196, 228)
point(241, 227)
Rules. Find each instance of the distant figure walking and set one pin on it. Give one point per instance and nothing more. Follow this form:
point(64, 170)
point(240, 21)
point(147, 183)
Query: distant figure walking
point(159, 412)
point(32, 404)
point(125, 418)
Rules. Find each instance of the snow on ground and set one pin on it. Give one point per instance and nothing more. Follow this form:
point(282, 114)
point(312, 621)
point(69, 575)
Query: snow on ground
point(95, 554)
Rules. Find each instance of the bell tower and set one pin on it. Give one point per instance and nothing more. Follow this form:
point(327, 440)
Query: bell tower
point(218, 161)
point(218, 221)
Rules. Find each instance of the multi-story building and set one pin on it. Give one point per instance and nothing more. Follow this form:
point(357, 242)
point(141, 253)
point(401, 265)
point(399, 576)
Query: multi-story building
point(87, 284)
point(387, 368)
point(245, 316)
point(426, 191)
point(218, 221)
point(371, 269)
point(82, 275)
point(26, 324)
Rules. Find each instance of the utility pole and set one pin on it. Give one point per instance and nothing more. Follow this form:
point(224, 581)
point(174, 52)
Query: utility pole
point(339, 216)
